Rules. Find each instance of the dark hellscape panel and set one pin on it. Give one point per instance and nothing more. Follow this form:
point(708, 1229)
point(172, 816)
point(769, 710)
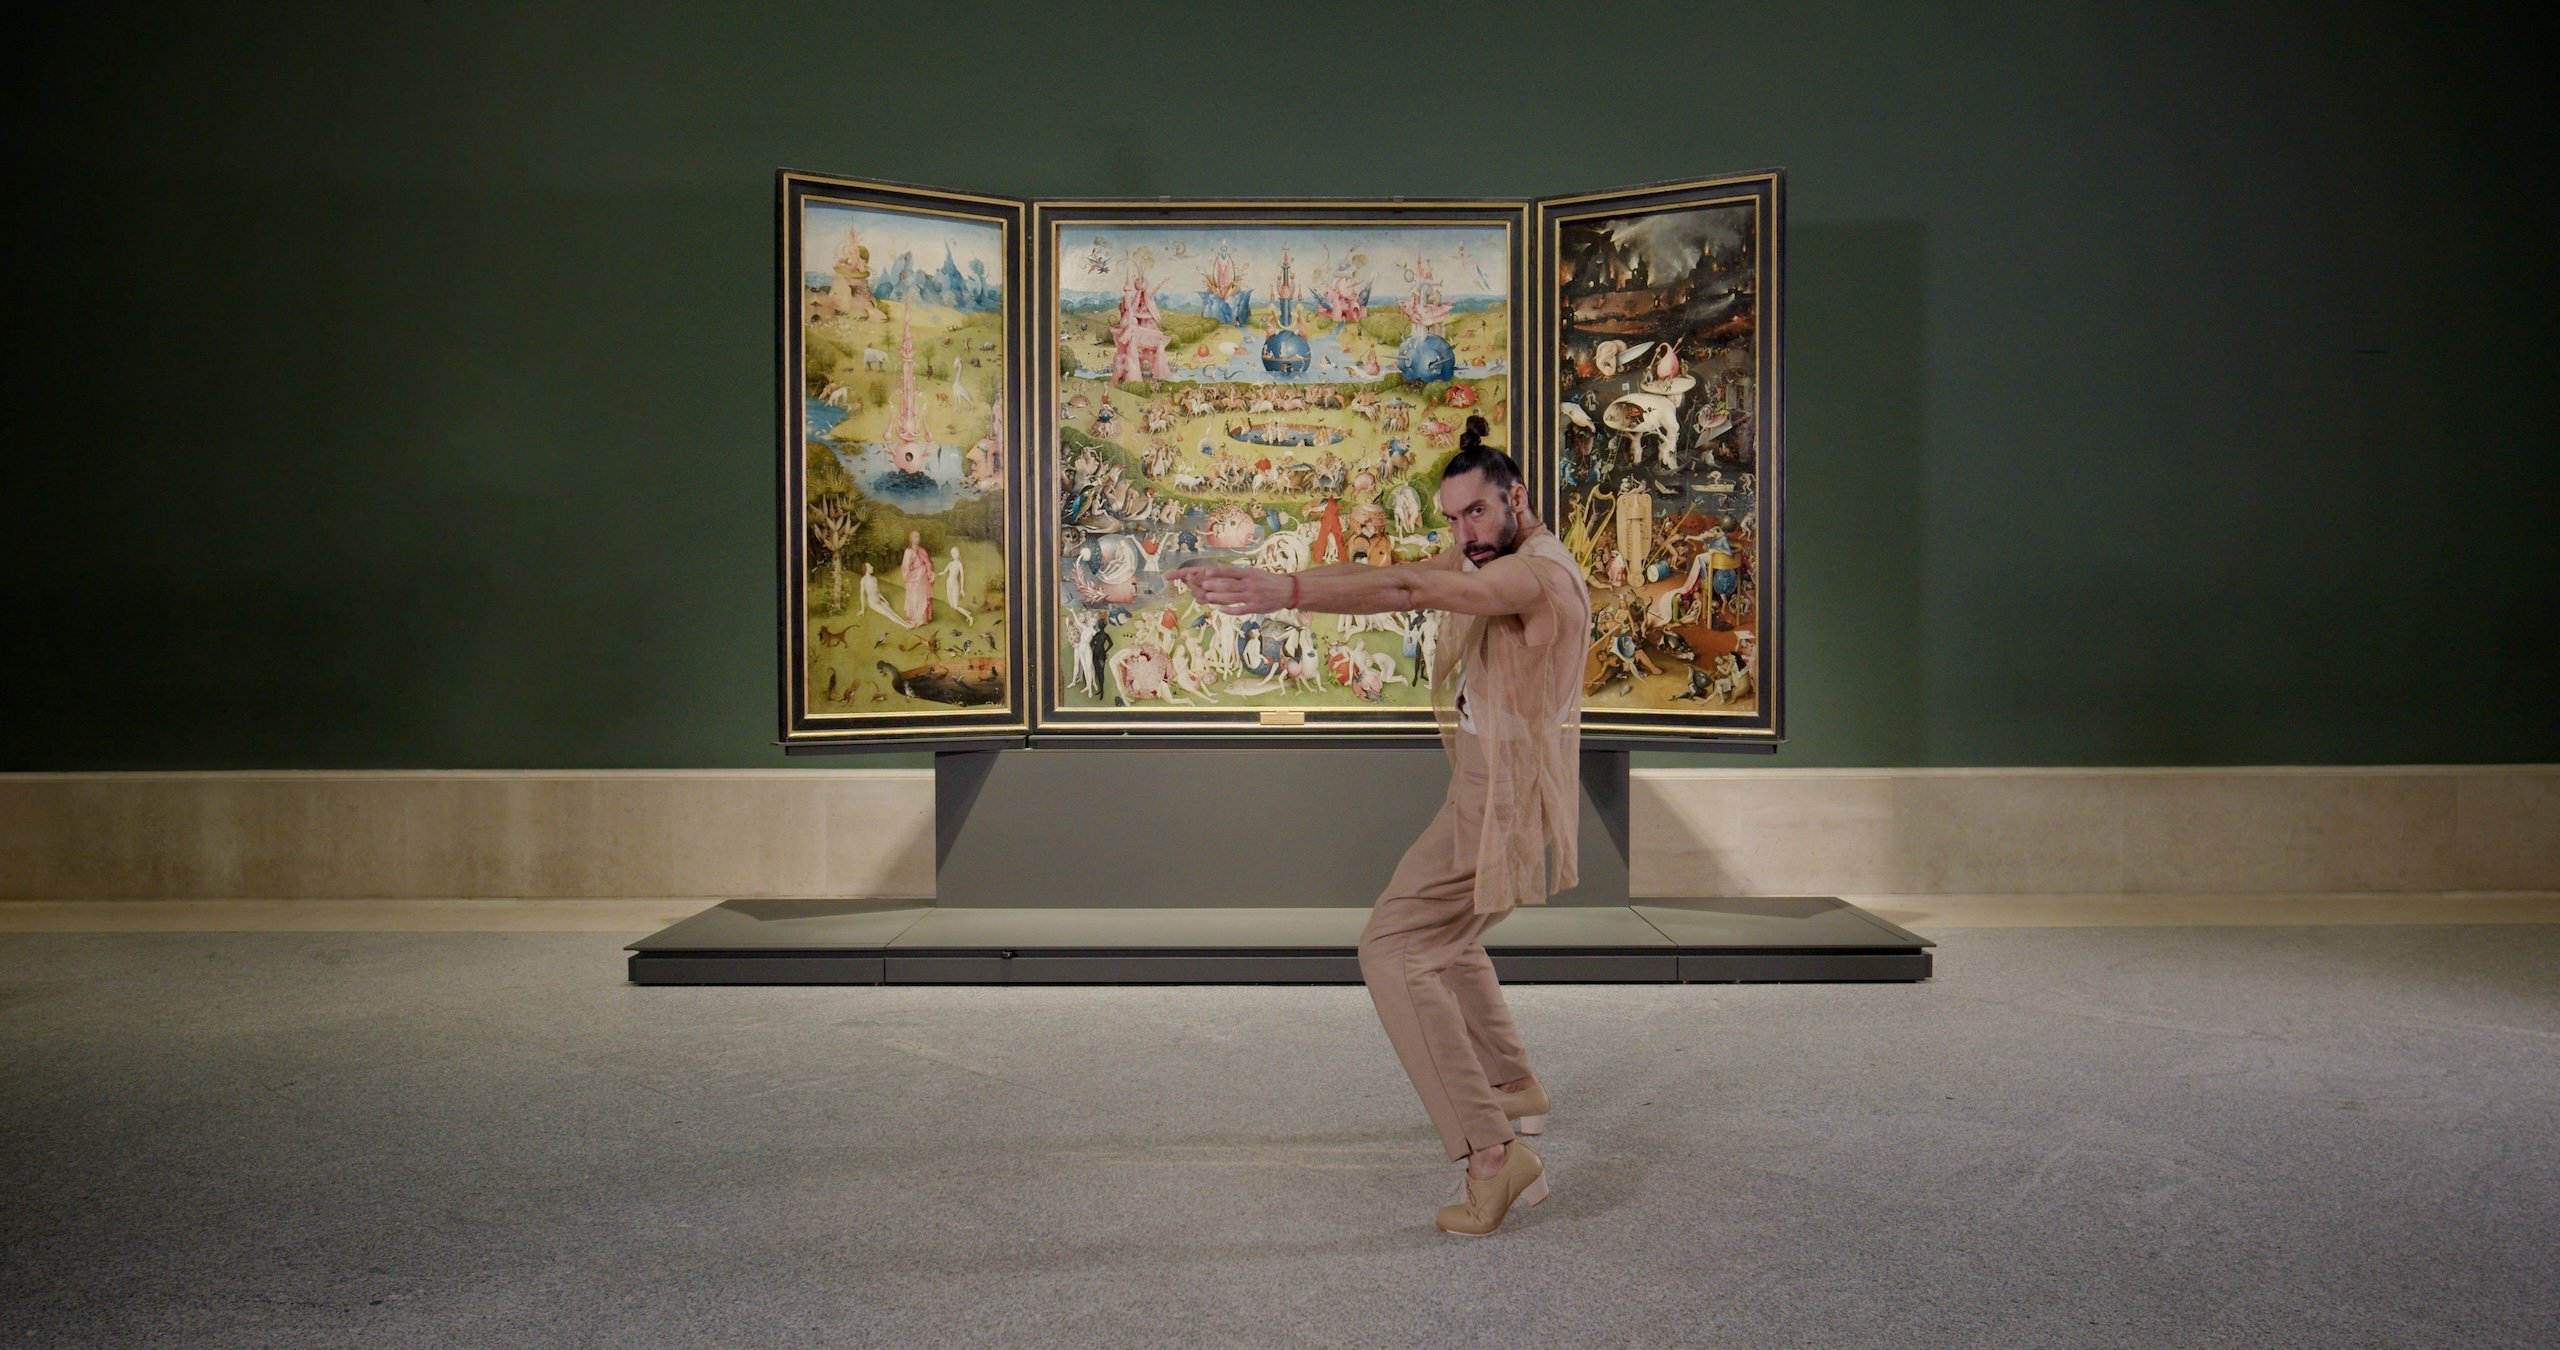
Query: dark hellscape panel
point(1661, 398)
point(900, 400)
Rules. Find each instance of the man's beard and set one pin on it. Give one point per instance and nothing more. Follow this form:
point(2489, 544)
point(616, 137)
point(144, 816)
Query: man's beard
point(1510, 541)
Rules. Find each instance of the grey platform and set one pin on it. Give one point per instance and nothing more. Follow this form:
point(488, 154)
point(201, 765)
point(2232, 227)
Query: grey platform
point(904, 942)
point(1087, 866)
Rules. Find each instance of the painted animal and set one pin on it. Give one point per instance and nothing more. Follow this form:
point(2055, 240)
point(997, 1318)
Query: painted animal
point(874, 359)
point(1397, 458)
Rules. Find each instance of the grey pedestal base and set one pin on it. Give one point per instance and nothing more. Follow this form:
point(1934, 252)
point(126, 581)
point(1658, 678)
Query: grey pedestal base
point(902, 942)
point(1089, 866)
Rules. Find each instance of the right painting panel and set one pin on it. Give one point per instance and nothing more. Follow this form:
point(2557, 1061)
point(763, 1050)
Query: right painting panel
point(1666, 449)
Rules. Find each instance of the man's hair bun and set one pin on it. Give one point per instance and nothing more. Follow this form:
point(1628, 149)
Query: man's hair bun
point(1477, 430)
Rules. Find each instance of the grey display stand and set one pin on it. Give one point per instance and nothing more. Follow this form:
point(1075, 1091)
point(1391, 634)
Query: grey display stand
point(1245, 866)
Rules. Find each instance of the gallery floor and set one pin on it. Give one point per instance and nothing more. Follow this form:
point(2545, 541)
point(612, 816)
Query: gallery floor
point(2126, 1123)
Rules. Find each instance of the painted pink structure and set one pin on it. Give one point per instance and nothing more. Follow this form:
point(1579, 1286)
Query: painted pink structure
point(1137, 344)
point(1424, 308)
point(910, 444)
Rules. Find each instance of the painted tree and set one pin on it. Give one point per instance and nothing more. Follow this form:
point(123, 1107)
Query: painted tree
point(835, 523)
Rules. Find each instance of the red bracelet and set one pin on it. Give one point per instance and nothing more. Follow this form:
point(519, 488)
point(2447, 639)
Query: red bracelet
point(1293, 590)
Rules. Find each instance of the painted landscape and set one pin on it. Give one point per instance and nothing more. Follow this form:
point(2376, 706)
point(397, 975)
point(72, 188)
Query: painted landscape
point(1279, 396)
point(904, 460)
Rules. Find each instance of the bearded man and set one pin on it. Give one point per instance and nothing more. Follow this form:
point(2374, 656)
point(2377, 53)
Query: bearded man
point(1508, 704)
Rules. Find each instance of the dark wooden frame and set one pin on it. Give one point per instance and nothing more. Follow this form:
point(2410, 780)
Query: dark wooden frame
point(801, 730)
point(1534, 435)
point(1765, 727)
point(1177, 727)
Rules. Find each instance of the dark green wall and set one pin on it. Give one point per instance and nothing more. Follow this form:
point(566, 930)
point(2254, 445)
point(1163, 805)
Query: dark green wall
point(2168, 384)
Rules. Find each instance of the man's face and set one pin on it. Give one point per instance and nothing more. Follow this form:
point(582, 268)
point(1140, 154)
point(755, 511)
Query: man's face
point(1487, 520)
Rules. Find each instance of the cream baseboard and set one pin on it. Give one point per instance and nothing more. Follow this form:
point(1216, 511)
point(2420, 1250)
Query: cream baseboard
point(2103, 831)
point(466, 834)
point(643, 835)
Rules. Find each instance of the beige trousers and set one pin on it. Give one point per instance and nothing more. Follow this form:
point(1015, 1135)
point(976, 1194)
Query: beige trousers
point(1423, 958)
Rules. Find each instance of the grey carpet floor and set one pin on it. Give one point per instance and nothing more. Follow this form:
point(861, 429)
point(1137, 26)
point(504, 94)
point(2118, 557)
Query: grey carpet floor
point(2071, 1137)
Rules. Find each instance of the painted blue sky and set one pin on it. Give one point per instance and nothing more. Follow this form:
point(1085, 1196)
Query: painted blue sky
point(1182, 253)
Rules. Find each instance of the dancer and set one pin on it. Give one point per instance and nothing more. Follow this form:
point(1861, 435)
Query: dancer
point(1508, 706)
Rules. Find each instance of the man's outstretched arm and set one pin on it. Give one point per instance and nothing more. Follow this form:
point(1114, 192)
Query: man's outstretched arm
point(1503, 586)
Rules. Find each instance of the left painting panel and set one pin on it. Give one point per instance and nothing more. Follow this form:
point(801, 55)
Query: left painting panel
point(899, 343)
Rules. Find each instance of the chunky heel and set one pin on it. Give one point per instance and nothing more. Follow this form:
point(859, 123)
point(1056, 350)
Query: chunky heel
point(1527, 1108)
point(1488, 1200)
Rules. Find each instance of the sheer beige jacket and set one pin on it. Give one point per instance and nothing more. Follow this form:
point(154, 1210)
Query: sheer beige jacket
point(1522, 675)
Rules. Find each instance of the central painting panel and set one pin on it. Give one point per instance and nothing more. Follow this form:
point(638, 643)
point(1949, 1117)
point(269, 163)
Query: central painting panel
point(1273, 385)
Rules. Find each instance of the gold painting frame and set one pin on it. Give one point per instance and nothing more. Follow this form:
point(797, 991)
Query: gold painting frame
point(1663, 312)
point(1548, 353)
point(1411, 428)
point(944, 664)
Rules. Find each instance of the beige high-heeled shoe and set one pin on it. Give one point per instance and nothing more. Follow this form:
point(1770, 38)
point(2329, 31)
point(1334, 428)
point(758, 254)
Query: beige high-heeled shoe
point(1527, 1110)
point(1488, 1203)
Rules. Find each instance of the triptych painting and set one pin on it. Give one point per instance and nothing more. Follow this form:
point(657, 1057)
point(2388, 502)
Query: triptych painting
point(1003, 424)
